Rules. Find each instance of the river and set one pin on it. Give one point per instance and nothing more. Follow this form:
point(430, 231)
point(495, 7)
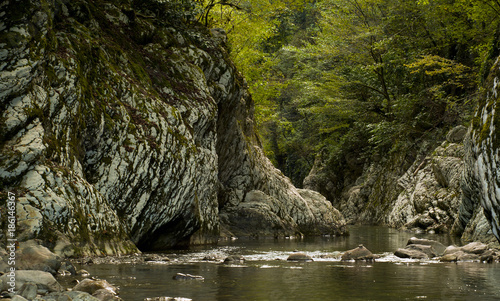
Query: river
point(266, 275)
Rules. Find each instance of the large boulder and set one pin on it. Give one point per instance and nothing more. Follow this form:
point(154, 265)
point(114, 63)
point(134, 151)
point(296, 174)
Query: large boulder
point(32, 256)
point(44, 281)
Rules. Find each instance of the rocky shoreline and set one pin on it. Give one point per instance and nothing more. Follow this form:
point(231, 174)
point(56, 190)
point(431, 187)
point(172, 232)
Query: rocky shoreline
point(42, 275)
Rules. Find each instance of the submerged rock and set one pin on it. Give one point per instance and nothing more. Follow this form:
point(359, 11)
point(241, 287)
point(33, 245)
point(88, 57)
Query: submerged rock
point(181, 276)
point(156, 257)
point(299, 257)
point(360, 253)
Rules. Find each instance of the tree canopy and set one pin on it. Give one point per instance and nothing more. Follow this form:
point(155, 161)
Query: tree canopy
point(367, 77)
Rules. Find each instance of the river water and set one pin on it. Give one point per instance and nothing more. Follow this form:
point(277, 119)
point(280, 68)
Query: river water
point(266, 275)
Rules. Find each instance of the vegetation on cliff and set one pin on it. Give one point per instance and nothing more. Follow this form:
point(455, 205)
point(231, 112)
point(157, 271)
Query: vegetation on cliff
point(357, 79)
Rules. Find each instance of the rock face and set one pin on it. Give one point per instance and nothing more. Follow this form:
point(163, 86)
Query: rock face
point(481, 181)
point(431, 189)
point(119, 129)
point(427, 195)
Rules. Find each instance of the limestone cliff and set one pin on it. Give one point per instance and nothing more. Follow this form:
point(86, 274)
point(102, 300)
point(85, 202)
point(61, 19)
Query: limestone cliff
point(431, 190)
point(429, 195)
point(121, 126)
point(481, 180)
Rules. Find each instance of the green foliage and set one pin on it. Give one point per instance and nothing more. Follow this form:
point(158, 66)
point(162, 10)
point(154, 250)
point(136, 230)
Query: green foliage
point(356, 77)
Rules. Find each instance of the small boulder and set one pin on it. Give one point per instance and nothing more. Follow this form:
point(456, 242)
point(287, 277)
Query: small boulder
point(359, 253)
point(83, 273)
point(68, 266)
point(91, 286)
point(181, 276)
point(449, 258)
point(234, 259)
point(489, 256)
point(475, 248)
point(168, 299)
point(299, 257)
point(452, 250)
point(4, 267)
point(105, 295)
point(426, 249)
point(28, 290)
point(410, 253)
point(463, 256)
point(439, 248)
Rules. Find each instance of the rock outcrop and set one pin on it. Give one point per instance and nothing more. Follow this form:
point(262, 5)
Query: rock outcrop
point(120, 129)
point(439, 192)
point(480, 209)
point(431, 189)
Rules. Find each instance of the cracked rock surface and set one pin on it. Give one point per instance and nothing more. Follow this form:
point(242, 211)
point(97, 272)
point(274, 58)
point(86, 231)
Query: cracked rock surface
point(120, 130)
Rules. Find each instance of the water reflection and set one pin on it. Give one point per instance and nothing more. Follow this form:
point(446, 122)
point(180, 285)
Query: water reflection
point(266, 275)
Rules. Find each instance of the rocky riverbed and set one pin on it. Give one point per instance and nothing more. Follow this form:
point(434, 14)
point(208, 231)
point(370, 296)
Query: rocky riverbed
point(43, 275)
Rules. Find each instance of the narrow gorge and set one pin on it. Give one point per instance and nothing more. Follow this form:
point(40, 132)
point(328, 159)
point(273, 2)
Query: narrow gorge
point(125, 126)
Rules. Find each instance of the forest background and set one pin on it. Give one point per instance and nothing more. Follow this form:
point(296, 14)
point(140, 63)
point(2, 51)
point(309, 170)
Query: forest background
point(345, 82)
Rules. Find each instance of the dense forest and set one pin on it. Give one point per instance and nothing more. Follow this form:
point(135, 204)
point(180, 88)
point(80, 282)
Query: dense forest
point(341, 79)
